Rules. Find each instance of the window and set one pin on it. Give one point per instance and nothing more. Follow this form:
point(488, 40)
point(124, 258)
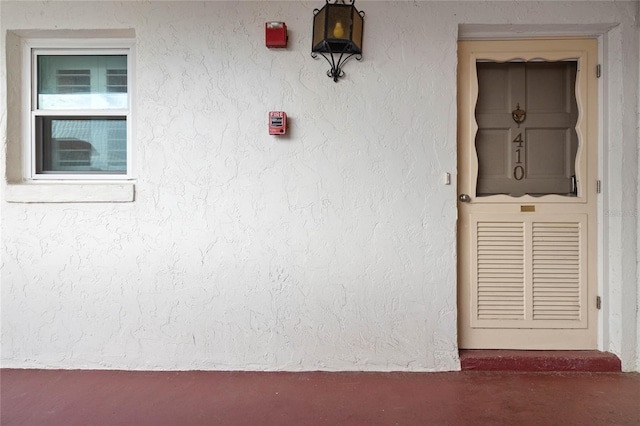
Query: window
point(80, 113)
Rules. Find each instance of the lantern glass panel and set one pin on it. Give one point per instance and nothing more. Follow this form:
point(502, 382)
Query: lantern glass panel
point(318, 29)
point(356, 37)
point(339, 23)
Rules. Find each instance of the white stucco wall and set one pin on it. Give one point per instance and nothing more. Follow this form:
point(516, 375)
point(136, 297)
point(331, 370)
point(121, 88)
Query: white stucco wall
point(332, 248)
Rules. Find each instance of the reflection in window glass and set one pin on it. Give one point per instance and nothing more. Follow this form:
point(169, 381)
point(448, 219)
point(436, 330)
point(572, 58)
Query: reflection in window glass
point(82, 82)
point(82, 144)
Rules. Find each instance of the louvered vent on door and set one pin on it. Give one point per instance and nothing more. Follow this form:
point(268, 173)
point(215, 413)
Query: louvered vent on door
point(500, 271)
point(528, 271)
point(556, 271)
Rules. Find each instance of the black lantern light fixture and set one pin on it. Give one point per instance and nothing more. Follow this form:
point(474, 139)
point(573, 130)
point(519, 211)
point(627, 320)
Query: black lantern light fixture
point(337, 33)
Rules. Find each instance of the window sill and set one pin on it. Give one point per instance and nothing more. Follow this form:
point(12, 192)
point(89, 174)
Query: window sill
point(70, 192)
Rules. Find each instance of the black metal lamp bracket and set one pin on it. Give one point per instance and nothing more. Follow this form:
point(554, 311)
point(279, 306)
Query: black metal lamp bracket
point(336, 71)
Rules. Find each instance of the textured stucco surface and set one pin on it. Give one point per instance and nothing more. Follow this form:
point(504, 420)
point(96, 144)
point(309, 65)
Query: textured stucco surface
point(332, 248)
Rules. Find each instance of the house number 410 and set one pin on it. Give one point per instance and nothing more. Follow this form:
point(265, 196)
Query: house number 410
point(518, 170)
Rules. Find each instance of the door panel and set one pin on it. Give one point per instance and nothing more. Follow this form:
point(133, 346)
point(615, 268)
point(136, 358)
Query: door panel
point(550, 154)
point(557, 94)
point(527, 228)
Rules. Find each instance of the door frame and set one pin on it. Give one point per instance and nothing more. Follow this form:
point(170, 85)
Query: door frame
point(603, 34)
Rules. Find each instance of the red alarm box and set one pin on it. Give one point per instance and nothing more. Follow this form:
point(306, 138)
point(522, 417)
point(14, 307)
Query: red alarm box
point(276, 34)
point(277, 123)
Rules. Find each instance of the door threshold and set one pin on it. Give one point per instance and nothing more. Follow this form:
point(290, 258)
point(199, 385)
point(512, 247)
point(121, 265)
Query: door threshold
point(532, 361)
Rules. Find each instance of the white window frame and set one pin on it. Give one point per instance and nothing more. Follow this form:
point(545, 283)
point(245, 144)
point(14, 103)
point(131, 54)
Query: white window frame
point(33, 48)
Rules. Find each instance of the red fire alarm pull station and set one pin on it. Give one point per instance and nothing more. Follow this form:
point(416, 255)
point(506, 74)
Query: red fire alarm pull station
point(276, 34)
point(277, 123)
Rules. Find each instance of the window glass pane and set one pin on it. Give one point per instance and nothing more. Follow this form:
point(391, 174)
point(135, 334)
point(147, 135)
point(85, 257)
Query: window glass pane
point(82, 82)
point(82, 144)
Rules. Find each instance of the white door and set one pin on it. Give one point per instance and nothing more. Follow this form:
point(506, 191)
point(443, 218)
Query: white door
point(527, 178)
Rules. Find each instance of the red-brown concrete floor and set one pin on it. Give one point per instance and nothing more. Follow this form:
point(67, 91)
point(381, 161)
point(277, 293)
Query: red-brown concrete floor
point(54, 397)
